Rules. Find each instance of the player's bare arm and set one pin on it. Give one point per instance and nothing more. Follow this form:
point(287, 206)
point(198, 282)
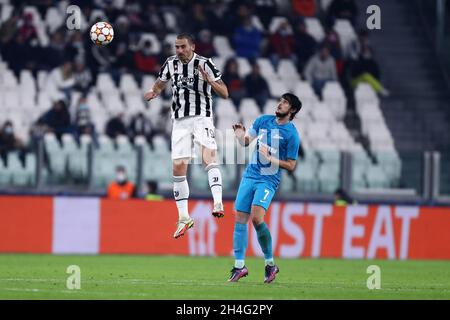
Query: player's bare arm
point(285, 164)
point(155, 90)
point(240, 133)
point(218, 86)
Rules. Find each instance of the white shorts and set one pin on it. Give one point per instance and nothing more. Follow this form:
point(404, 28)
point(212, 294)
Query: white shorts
point(190, 130)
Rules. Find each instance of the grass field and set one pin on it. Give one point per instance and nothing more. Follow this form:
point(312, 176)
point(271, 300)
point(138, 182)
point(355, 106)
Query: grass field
point(157, 277)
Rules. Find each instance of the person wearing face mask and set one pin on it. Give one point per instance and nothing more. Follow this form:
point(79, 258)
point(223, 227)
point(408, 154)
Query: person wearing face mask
point(366, 69)
point(121, 188)
point(145, 61)
point(8, 141)
point(282, 43)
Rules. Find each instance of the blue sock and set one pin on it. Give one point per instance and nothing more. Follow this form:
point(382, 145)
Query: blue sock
point(240, 238)
point(265, 240)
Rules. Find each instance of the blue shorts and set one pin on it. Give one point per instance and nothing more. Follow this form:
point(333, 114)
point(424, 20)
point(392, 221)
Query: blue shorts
point(253, 192)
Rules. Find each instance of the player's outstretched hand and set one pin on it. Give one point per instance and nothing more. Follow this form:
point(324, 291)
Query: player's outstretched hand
point(149, 95)
point(239, 130)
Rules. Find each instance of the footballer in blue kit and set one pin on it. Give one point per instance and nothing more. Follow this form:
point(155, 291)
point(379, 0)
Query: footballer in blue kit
point(277, 148)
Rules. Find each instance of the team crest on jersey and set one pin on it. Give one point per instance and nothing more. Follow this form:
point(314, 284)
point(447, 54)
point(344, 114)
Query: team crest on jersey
point(196, 71)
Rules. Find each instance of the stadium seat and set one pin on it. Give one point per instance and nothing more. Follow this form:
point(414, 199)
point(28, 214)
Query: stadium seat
point(287, 182)
point(225, 109)
point(256, 22)
point(128, 84)
point(147, 83)
point(269, 107)
point(328, 176)
point(305, 174)
point(276, 22)
point(123, 144)
point(276, 87)
point(244, 67)
point(198, 178)
point(376, 177)
point(391, 164)
point(105, 144)
point(170, 20)
point(346, 34)
point(223, 47)
point(248, 109)
point(266, 68)
point(334, 96)
point(287, 71)
point(54, 19)
point(314, 28)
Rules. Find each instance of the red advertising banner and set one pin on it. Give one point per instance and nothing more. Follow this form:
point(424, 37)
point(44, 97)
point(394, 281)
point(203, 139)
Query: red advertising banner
point(32, 224)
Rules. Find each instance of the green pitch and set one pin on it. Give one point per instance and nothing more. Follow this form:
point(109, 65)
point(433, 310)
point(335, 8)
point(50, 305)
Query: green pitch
point(157, 277)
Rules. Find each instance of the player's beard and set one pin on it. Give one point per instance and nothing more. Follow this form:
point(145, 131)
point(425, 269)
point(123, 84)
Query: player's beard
point(281, 115)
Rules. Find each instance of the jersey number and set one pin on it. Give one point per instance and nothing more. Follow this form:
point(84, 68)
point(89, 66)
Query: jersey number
point(267, 192)
point(210, 133)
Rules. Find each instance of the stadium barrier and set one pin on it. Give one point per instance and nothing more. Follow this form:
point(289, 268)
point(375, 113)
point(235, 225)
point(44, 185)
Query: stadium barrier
point(66, 225)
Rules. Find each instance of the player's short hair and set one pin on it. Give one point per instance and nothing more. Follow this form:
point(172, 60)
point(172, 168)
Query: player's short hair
point(190, 38)
point(295, 103)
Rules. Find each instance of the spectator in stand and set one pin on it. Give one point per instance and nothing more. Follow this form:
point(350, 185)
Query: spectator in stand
point(83, 77)
point(218, 21)
point(74, 49)
point(145, 61)
point(320, 69)
point(332, 41)
point(83, 123)
point(366, 69)
point(198, 19)
point(116, 126)
point(9, 28)
point(153, 20)
point(8, 141)
point(54, 54)
point(356, 45)
point(282, 43)
point(342, 9)
point(102, 59)
point(18, 54)
point(342, 198)
point(236, 86)
point(28, 30)
point(140, 125)
point(151, 192)
point(61, 79)
point(304, 8)
point(265, 10)
point(57, 119)
point(203, 45)
point(256, 87)
point(305, 46)
point(122, 59)
point(121, 188)
point(247, 40)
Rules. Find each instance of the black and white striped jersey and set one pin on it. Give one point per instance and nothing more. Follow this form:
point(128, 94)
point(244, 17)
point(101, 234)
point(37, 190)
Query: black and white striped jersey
point(191, 96)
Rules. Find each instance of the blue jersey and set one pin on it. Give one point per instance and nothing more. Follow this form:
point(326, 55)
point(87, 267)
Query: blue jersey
point(283, 143)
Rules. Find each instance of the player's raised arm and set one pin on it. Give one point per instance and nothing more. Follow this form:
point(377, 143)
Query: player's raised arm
point(218, 85)
point(157, 88)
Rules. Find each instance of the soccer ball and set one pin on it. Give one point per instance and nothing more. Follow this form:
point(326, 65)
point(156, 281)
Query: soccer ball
point(102, 33)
